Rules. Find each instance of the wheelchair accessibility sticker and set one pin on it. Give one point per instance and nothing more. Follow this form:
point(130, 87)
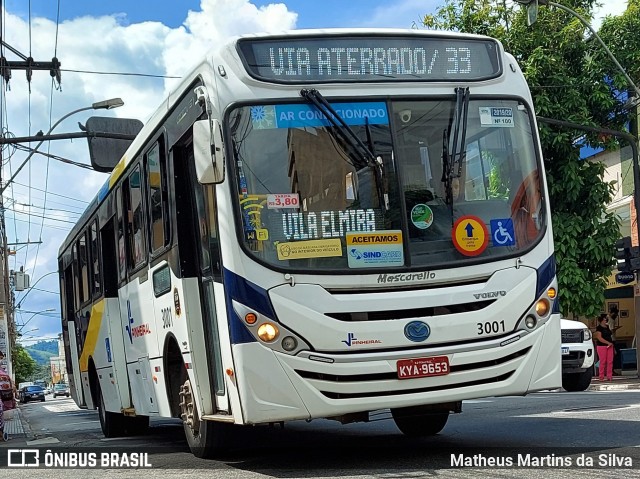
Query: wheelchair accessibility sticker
point(502, 233)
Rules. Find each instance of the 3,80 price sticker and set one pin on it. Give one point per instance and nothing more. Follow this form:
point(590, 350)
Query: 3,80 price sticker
point(283, 200)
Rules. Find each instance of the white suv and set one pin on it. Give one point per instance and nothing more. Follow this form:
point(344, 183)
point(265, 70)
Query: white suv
point(578, 354)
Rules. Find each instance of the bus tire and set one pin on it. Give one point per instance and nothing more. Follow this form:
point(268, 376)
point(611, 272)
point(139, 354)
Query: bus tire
point(206, 439)
point(112, 424)
point(416, 422)
point(137, 425)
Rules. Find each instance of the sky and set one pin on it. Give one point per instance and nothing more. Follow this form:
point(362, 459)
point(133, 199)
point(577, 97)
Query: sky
point(143, 45)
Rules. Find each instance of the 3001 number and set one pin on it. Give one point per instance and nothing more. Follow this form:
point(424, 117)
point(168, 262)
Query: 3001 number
point(490, 327)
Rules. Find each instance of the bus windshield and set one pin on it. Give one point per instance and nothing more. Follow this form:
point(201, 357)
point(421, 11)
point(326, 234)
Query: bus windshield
point(308, 200)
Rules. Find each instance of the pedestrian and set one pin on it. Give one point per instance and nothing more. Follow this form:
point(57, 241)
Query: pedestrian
point(605, 347)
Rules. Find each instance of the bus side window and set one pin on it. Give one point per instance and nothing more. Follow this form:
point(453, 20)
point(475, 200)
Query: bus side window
point(135, 219)
point(76, 278)
point(158, 200)
point(122, 255)
point(96, 284)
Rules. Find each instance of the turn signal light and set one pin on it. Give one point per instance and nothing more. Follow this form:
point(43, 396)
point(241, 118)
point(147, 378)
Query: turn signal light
point(551, 292)
point(268, 332)
point(250, 318)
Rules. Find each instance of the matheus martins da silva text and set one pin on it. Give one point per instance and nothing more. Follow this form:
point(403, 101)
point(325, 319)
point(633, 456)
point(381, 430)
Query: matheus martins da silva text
point(549, 460)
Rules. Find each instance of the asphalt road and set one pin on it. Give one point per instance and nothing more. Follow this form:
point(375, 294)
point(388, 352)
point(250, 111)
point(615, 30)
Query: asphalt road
point(540, 432)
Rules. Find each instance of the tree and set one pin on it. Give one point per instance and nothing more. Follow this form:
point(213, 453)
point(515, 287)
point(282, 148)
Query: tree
point(23, 365)
point(569, 81)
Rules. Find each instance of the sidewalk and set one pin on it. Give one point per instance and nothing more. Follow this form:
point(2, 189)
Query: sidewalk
point(619, 383)
point(13, 426)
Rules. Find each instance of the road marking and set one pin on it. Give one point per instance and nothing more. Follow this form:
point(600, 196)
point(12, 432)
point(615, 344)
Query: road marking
point(64, 407)
point(602, 411)
point(44, 440)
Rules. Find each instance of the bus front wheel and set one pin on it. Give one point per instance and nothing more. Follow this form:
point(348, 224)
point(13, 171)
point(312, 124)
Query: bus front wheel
point(112, 424)
point(416, 421)
point(205, 438)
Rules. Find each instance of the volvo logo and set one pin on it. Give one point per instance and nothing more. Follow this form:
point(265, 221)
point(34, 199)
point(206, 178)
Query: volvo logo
point(417, 331)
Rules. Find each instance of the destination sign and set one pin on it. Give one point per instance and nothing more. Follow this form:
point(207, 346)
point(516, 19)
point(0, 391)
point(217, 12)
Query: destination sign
point(370, 58)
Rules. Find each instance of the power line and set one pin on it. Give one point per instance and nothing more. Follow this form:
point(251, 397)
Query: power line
point(54, 194)
point(147, 75)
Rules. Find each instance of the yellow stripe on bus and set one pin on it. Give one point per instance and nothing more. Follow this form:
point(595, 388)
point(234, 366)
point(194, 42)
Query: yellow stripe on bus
point(117, 171)
point(95, 320)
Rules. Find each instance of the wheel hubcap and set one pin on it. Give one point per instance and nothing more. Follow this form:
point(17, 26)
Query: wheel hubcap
point(188, 411)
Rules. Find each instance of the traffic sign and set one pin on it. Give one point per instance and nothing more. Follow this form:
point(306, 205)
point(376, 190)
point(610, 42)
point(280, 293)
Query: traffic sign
point(470, 235)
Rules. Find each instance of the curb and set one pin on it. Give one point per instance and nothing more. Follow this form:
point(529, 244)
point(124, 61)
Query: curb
point(614, 387)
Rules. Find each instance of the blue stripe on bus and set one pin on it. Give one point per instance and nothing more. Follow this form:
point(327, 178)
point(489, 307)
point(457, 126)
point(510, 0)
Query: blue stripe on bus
point(249, 294)
point(546, 274)
point(104, 190)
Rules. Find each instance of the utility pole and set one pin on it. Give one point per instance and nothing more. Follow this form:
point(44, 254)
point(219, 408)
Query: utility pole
point(29, 65)
point(7, 320)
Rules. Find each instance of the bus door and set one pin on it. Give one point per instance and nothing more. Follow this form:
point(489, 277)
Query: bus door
point(196, 206)
point(136, 295)
point(69, 335)
point(108, 242)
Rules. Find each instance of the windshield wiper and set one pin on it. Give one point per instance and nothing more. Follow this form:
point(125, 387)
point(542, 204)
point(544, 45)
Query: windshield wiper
point(366, 157)
point(454, 152)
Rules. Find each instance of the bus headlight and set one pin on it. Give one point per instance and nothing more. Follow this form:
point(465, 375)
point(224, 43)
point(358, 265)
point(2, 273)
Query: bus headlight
point(268, 332)
point(530, 322)
point(289, 343)
point(542, 307)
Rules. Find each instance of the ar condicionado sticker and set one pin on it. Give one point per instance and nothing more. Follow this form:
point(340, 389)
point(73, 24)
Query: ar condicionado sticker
point(470, 235)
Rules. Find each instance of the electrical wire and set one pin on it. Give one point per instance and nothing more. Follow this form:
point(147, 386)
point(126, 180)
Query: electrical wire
point(49, 156)
point(144, 75)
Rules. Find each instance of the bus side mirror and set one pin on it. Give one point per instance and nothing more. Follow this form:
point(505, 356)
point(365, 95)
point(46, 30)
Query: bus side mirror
point(208, 151)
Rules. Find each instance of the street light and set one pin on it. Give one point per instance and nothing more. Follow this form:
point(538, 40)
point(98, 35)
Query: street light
point(100, 105)
point(30, 288)
point(21, 334)
point(50, 310)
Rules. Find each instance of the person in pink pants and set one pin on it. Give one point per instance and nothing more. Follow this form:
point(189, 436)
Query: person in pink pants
point(605, 347)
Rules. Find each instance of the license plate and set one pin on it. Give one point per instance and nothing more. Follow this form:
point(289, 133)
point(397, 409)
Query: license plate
point(422, 367)
point(565, 351)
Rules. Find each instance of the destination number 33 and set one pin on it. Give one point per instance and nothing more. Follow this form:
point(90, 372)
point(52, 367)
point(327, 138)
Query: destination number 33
point(490, 327)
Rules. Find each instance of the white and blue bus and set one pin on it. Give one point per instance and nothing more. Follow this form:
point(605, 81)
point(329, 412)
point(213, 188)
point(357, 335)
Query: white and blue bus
point(319, 224)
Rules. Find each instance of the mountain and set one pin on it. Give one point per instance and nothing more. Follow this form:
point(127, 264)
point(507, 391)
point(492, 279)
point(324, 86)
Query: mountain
point(42, 351)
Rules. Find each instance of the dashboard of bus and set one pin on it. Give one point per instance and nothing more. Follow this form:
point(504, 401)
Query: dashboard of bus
point(386, 184)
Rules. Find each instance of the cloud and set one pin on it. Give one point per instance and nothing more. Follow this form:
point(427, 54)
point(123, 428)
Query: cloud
point(94, 44)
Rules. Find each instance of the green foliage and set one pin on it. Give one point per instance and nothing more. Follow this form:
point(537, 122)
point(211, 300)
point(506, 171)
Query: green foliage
point(23, 365)
point(570, 80)
point(40, 357)
point(49, 346)
point(42, 351)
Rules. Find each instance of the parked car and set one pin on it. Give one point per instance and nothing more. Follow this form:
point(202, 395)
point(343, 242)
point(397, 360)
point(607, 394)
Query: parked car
point(61, 390)
point(31, 393)
point(578, 354)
